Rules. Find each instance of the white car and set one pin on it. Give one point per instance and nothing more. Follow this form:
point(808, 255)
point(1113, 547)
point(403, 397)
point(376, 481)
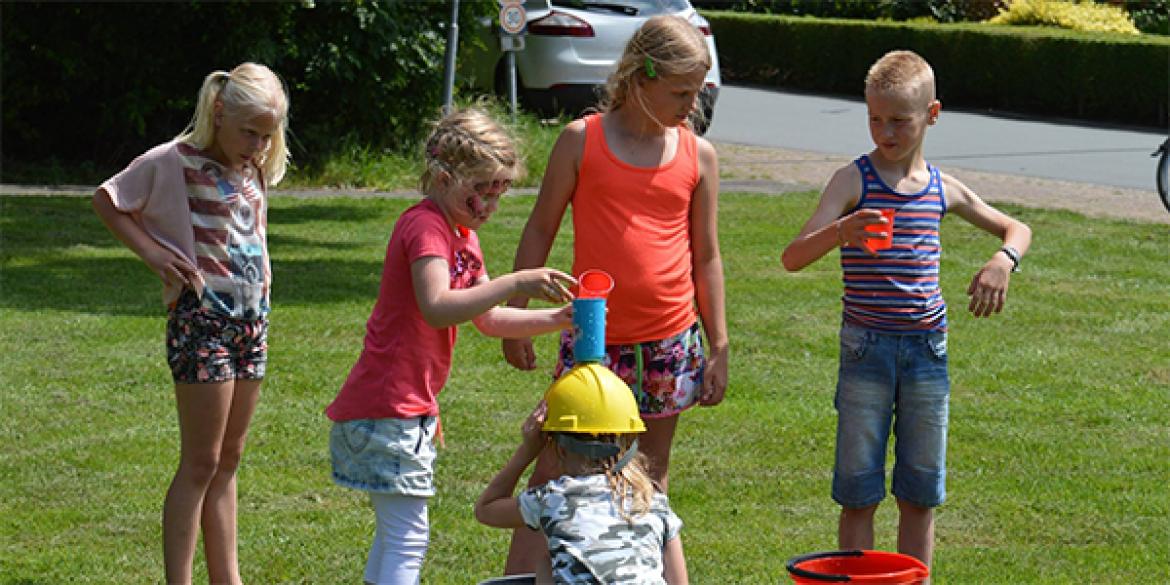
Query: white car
point(571, 46)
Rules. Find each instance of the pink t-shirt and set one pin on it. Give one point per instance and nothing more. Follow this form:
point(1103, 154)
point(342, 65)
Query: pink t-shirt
point(405, 362)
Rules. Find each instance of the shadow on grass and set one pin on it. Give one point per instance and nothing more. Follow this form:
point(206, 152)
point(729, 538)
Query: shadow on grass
point(55, 256)
point(330, 209)
point(281, 244)
point(36, 224)
point(124, 286)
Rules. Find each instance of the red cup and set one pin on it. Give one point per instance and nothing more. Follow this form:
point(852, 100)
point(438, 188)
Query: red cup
point(594, 284)
point(880, 243)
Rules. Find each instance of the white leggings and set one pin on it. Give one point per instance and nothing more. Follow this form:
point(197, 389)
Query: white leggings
point(400, 540)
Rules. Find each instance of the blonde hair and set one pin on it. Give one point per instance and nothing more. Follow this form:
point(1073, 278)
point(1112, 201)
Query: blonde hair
point(902, 71)
point(669, 43)
point(248, 90)
point(469, 144)
point(631, 485)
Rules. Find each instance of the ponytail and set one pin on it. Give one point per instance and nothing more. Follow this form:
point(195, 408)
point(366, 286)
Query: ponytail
point(200, 132)
point(248, 89)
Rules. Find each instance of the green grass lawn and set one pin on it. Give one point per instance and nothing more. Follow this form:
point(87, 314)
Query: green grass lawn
point(1059, 451)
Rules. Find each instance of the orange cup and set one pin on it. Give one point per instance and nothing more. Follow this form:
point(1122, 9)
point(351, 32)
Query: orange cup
point(880, 243)
point(594, 284)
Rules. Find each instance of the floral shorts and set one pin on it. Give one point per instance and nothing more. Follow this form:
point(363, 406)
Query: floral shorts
point(665, 375)
point(204, 347)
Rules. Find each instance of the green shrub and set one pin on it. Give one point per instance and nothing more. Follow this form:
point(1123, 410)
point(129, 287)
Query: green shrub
point(1080, 16)
point(1031, 70)
point(898, 10)
point(101, 82)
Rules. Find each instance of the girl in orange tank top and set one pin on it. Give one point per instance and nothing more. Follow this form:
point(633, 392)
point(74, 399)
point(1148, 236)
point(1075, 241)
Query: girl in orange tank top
point(644, 191)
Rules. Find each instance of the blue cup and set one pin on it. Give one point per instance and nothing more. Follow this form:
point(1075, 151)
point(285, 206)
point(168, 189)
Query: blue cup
point(588, 330)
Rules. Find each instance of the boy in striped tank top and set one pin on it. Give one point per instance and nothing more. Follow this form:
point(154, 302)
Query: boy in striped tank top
point(893, 364)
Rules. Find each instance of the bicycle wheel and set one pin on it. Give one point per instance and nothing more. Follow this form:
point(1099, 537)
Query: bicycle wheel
point(1164, 176)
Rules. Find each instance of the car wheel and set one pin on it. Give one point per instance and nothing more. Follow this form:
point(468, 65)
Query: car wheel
point(701, 118)
point(501, 80)
point(523, 98)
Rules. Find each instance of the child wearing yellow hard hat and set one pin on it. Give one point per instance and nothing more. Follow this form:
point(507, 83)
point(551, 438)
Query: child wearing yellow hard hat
point(604, 519)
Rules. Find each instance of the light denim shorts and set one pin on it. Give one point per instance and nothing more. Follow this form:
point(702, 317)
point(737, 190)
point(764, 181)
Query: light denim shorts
point(898, 379)
point(385, 455)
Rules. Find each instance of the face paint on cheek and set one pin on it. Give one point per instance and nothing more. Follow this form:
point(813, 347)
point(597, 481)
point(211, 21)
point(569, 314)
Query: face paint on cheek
point(475, 205)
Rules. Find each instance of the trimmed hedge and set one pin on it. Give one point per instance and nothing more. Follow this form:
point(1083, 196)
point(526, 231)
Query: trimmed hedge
point(1047, 72)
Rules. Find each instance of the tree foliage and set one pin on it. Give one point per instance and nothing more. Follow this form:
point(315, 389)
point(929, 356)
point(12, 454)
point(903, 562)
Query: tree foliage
point(101, 82)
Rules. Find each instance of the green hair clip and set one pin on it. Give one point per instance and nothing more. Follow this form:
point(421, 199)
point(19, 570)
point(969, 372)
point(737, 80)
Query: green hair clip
point(650, 68)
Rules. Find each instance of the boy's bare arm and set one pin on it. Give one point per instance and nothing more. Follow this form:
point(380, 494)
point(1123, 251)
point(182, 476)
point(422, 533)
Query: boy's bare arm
point(827, 228)
point(988, 288)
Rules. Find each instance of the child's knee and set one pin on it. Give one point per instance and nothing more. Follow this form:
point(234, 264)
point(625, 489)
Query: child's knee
point(863, 513)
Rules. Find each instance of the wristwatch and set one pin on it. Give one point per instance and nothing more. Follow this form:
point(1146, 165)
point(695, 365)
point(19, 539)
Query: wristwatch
point(1014, 255)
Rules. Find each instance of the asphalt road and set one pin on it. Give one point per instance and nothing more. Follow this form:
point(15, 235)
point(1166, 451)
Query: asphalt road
point(1011, 145)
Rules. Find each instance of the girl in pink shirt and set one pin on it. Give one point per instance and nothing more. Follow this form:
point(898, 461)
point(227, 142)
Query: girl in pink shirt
point(195, 210)
point(433, 278)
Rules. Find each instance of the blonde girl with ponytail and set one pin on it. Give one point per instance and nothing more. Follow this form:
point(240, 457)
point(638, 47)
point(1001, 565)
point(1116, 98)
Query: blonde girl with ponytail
point(195, 211)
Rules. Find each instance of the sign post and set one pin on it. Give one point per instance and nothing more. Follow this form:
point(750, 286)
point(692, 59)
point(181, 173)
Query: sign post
point(449, 58)
point(513, 20)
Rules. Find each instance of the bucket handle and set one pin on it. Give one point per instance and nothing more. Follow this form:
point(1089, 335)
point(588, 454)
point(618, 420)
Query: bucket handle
point(792, 568)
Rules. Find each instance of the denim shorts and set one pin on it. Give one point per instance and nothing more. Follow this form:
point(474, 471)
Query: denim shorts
point(385, 455)
point(893, 378)
point(205, 347)
point(665, 375)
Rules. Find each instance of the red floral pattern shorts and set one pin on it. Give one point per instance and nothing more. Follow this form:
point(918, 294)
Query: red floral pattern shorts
point(666, 375)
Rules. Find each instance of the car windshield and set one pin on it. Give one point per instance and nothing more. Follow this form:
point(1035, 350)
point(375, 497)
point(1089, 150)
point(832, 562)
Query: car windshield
point(629, 7)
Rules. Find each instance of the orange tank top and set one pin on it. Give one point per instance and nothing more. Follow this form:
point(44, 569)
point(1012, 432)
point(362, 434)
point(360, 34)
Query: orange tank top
point(634, 223)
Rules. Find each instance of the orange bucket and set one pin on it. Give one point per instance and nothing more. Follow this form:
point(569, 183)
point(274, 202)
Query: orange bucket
point(857, 566)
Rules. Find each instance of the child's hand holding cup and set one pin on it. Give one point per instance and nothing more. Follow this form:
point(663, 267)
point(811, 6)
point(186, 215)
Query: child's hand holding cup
point(883, 237)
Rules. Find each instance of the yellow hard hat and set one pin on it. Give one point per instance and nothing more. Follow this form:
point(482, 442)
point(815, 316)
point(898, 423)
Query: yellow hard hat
point(591, 399)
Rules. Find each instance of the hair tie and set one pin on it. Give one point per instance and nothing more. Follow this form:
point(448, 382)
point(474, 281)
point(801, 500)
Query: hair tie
point(650, 68)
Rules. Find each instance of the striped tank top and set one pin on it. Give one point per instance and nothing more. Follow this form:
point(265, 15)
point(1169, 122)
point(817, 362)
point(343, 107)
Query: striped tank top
point(898, 290)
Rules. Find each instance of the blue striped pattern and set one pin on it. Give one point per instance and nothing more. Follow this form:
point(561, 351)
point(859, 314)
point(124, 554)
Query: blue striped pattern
point(897, 291)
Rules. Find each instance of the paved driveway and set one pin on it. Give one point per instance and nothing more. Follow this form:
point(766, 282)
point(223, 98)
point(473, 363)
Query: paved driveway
point(999, 144)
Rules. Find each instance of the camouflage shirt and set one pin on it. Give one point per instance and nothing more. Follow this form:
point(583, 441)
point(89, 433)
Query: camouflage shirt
point(588, 540)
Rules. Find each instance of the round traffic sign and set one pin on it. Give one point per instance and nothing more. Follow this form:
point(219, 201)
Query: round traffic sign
point(512, 18)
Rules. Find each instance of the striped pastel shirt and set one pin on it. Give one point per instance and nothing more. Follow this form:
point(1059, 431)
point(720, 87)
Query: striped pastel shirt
point(209, 215)
point(898, 290)
point(229, 222)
